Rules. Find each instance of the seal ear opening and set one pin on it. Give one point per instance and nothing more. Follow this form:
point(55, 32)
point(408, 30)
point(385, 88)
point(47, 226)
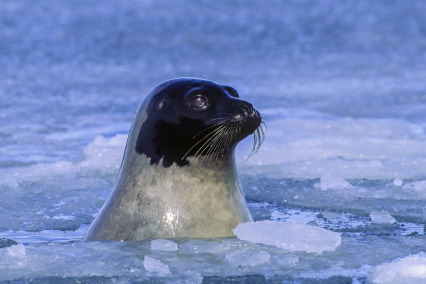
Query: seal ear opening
point(232, 91)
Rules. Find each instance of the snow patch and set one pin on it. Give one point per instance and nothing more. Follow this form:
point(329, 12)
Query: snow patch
point(17, 251)
point(105, 153)
point(398, 182)
point(103, 156)
point(411, 269)
point(311, 147)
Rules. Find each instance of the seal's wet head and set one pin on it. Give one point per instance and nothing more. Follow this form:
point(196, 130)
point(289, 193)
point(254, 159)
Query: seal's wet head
point(190, 117)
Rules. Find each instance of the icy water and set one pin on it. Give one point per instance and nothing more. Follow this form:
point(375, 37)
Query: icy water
point(341, 85)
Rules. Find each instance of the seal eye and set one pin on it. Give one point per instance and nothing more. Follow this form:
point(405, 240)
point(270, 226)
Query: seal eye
point(199, 102)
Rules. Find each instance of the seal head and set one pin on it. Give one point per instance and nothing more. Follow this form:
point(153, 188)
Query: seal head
point(186, 111)
point(178, 176)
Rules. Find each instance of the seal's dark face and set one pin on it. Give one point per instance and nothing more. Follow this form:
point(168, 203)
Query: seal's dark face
point(192, 117)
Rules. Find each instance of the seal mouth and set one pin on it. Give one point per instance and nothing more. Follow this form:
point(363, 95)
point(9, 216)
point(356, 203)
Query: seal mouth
point(222, 134)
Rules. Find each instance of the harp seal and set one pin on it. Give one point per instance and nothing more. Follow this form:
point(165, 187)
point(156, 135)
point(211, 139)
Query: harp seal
point(178, 176)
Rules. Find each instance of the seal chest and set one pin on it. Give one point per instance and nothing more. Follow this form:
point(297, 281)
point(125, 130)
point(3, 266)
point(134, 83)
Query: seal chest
point(178, 176)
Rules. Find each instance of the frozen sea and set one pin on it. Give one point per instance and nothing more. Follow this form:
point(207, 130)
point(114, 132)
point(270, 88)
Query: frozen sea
point(338, 188)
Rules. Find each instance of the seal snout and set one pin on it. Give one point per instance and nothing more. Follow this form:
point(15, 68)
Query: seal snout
point(246, 112)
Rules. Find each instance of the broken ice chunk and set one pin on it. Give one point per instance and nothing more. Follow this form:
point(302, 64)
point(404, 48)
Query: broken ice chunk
point(164, 245)
point(289, 236)
point(247, 258)
point(382, 217)
point(155, 266)
point(329, 181)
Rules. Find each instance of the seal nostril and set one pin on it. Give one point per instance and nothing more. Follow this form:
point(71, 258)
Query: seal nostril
point(246, 110)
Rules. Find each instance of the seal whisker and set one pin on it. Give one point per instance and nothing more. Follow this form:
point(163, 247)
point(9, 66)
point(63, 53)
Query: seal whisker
point(227, 140)
point(263, 135)
point(208, 128)
point(215, 145)
point(208, 142)
point(263, 132)
point(230, 138)
point(208, 136)
point(215, 131)
point(222, 119)
point(236, 133)
point(223, 145)
point(260, 141)
point(253, 150)
point(204, 148)
point(209, 148)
